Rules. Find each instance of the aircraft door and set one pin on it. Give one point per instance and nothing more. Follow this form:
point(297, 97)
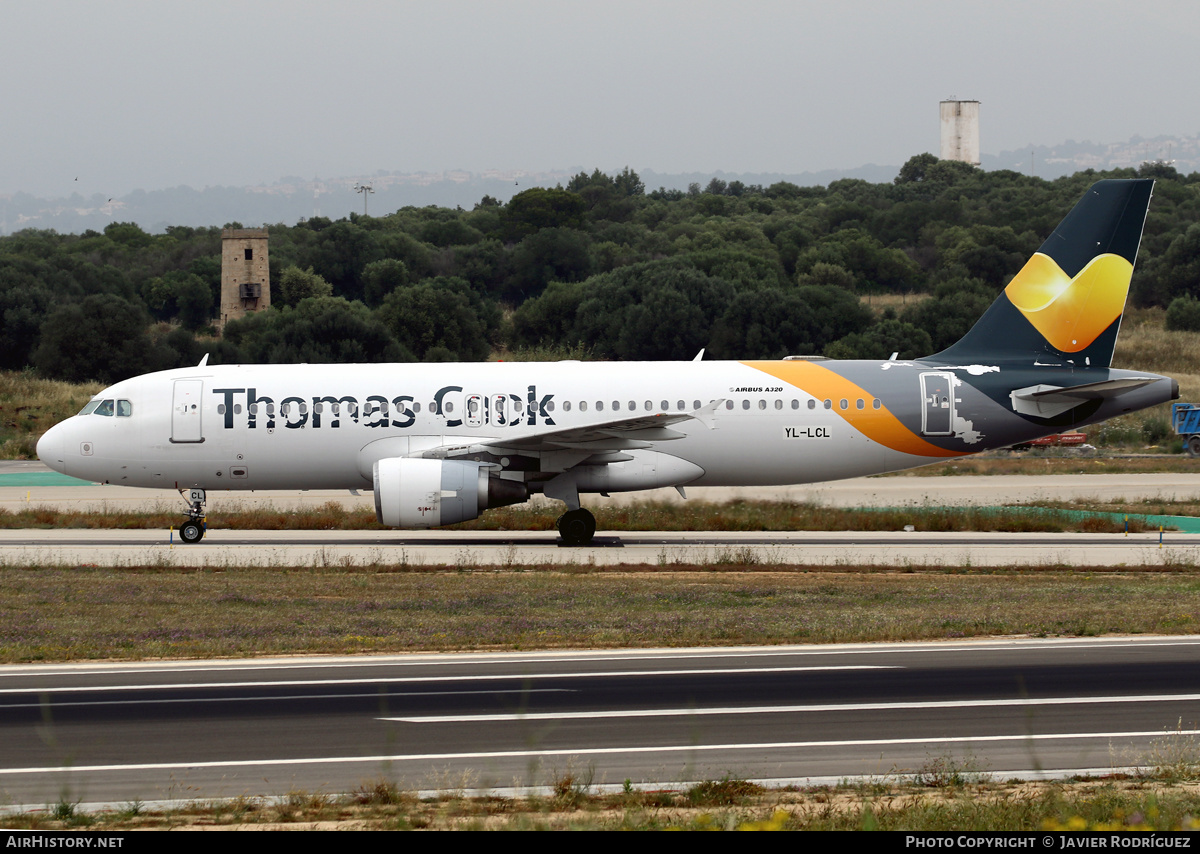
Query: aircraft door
point(475, 409)
point(937, 403)
point(186, 408)
point(498, 417)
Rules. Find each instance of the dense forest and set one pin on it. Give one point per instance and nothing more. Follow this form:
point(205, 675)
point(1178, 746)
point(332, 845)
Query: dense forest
point(600, 268)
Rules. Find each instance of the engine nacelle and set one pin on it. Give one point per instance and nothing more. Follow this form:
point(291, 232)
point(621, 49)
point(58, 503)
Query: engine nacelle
point(420, 493)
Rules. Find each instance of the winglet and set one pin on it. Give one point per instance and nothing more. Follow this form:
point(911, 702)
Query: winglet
point(706, 415)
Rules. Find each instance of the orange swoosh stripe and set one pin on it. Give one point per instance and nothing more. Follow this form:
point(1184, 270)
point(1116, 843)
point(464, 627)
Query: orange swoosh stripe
point(1071, 313)
point(879, 425)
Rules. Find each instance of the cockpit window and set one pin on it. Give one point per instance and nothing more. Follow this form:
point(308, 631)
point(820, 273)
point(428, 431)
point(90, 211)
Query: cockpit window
point(121, 408)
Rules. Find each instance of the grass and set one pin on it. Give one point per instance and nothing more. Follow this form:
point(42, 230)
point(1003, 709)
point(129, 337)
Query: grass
point(1051, 462)
point(1145, 345)
point(878, 303)
point(81, 612)
point(30, 406)
point(898, 801)
point(641, 516)
point(546, 353)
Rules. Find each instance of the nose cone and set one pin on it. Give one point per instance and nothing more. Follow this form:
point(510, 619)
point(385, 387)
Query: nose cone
point(51, 448)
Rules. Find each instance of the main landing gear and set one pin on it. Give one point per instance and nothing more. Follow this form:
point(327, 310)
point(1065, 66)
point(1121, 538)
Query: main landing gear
point(577, 527)
point(192, 531)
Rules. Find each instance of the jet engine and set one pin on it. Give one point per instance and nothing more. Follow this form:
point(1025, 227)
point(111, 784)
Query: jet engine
point(420, 493)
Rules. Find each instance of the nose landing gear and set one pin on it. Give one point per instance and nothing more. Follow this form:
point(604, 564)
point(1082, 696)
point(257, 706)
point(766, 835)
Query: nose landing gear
point(192, 531)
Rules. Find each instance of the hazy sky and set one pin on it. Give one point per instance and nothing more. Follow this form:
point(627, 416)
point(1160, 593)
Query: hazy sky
point(125, 95)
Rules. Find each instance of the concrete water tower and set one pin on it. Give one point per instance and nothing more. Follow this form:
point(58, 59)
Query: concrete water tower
point(960, 131)
point(245, 273)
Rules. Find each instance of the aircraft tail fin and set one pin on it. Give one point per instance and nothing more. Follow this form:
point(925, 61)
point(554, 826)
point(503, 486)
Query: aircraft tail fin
point(1065, 304)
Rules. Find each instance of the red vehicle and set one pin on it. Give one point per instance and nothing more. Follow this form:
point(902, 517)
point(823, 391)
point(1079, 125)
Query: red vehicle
point(1058, 440)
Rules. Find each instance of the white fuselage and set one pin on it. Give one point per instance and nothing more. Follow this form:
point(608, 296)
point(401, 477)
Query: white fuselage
point(325, 425)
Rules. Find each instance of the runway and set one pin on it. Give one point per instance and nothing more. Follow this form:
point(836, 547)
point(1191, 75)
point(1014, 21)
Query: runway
point(189, 730)
point(956, 491)
point(526, 548)
point(517, 549)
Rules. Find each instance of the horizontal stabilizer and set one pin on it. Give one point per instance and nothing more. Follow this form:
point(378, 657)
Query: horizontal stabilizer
point(1046, 401)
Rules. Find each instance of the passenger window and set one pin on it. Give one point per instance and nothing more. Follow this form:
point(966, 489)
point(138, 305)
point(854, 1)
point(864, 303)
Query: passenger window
point(649, 405)
point(812, 404)
point(549, 405)
point(845, 403)
point(695, 404)
point(599, 405)
point(779, 404)
point(682, 406)
point(666, 405)
point(220, 409)
point(745, 404)
point(566, 406)
point(875, 404)
point(828, 404)
point(616, 406)
point(583, 406)
point(861, 403)
point(729, 404)
point(762, 404)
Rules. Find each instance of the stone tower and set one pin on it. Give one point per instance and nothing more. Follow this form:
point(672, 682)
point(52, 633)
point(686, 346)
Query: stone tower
point(245, 273)
point(960, 131)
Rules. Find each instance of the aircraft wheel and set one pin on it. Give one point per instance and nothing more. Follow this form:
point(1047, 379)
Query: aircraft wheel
point(191, 532)
point(1193, 446)
point(577, 527)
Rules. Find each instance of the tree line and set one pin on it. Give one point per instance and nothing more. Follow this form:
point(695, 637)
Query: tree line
point(600, 267)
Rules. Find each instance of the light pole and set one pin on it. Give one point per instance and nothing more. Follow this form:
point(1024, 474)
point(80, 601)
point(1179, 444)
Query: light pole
point(364, 189)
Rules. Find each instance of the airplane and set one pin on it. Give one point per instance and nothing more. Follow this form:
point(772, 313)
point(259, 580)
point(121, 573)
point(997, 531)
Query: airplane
point(442, 443)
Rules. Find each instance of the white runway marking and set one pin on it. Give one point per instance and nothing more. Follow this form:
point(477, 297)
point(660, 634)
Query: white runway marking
point(390, 680)
point(191, 701)
point(768, 710)
point(558, 657)
point(592, 751)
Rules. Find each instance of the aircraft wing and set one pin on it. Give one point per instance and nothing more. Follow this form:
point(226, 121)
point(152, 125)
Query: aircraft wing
point(619, 434)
